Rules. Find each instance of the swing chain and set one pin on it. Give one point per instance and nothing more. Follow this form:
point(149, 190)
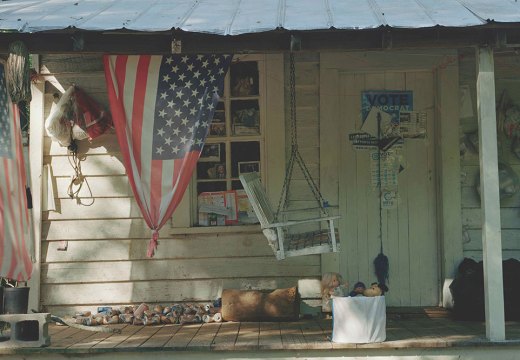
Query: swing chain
point(295, 154)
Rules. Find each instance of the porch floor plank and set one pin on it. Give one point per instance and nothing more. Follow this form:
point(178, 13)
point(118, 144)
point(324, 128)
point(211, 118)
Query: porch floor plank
point(314, 336)
point(116, 339)
point(292, 336)
point(270, 336)
point(161, 337)
point(67, 337)
point(139, 337)
point(226, 336)
point(183, 336)
point(94, 339)
point(204, 337)
point(247, 338)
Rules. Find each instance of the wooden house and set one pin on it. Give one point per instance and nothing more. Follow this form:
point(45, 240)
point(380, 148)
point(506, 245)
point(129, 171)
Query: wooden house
point(453, 60)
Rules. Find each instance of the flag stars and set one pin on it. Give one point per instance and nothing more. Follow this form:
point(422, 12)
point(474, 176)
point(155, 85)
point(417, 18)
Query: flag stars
point(179, 94)
point(169, 60)
point(184, 59)
point(182, 77)
point(168, 141)
point(184, 121)
point(175, 149)
point(159, 150)
point(178, 113)
point(160, 132)
point(190, 67)
point(187, 103)
point(166, 78)
point(205, 63)
point(162, 113)
point(164, 95)
point(175, 69)
point(194, 92)
point(188, 84)
point(176, 131)
point(169, 122)
point(183, 139)
point(196, 74)
point(170, 104)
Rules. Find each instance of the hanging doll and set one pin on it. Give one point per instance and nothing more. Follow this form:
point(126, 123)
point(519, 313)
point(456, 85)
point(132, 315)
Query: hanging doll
point(332, 285)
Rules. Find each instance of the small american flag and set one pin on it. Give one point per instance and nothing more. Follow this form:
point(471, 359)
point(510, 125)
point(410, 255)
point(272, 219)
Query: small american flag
point(162, 107)
point(15, 235)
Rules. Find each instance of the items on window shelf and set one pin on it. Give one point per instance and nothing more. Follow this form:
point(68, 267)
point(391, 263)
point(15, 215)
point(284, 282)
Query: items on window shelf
point(218, 208)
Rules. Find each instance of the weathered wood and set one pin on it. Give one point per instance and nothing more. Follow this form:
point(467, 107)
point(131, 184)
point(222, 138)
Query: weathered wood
point(179, 247)
point(247, 338)
point(204, 337)
point(292, 336)
point(116, 339)
point(164, 292)
point(449, 172)
point(36, 166)
point(226, 336)
point(151, 270)
point(183, 336)
point(510, 238)
point(139, 337)
point(92, 165)
point(269, 336)
point(493, 283)
point(93, 339)
point(161, 337)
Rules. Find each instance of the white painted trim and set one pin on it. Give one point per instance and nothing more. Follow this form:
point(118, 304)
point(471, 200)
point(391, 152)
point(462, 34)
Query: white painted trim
point(447, 147)
point(491, 229)
point(36, 166)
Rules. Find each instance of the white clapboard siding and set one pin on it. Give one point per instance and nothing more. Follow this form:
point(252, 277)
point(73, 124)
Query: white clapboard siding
point(505, 71)
point(509, 217)
point(95, 208)
point(510, 239)
point(103, 144)
point(91, 165)
point(153, 291)
point(100, 186)
point(187, 269)
point(173, 248)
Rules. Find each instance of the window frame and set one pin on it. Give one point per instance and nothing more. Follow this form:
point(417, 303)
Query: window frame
point(271, 139)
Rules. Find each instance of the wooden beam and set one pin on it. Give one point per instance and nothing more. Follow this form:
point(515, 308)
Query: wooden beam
point(447, 146)
point(36, 166)
point(489, 195)
point(132, 42)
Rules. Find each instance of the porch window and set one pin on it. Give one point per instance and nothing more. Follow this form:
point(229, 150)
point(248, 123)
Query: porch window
point(234, 146)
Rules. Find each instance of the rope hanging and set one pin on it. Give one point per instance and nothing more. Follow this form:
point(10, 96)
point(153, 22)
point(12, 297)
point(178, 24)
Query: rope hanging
point(18, 73)
point(295, 154)
point(381, 263)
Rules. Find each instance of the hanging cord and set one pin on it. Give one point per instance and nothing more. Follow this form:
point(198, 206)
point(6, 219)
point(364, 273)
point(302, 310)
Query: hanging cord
point(381, 263)
point(78, 178)
point(380, 188)
point(295, 154)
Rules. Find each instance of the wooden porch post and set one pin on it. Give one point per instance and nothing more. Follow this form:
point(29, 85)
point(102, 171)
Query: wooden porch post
point(489, 194)
point(37, 120)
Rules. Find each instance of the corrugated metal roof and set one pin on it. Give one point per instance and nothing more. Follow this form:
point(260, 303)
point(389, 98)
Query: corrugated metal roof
point(233, 17)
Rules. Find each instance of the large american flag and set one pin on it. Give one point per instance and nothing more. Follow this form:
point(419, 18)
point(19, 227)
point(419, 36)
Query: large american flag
point(162, 108)
point(15, 234)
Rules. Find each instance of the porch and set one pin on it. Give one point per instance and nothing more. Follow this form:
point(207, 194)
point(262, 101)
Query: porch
point(427, 332)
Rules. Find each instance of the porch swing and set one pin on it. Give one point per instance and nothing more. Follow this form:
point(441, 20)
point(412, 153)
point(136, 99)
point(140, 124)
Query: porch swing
point(290, 238)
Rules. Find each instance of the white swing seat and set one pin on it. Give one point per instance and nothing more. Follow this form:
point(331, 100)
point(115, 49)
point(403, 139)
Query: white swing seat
point(286, 243)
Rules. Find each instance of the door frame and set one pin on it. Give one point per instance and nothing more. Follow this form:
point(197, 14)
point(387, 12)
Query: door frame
point(444, 65)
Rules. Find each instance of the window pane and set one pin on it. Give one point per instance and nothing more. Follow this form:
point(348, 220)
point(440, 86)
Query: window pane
point(245, 117)
point(245, 157)
point(218, 124)
point(244, 79)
